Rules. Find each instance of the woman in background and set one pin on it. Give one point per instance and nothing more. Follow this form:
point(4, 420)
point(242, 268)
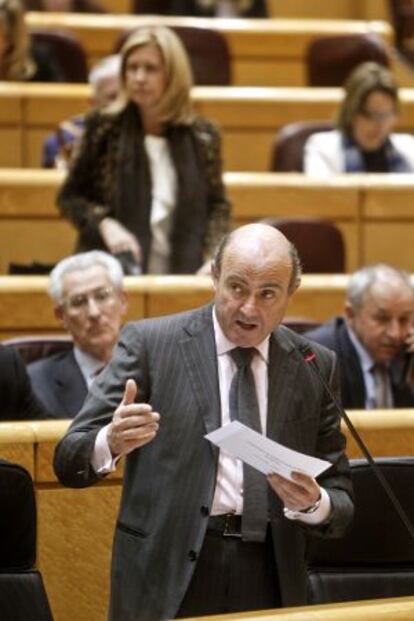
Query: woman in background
point(146, 181)
point(20, 59)
point(364, 140)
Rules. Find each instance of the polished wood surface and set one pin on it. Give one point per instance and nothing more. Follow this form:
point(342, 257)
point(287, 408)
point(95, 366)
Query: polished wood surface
point(374, 212)
point(75, 527)
point(248, 117)
point(263, 52)
point(395, 609)
point(25, 307)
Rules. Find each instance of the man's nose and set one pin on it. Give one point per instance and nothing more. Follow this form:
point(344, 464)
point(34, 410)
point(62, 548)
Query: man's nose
point(93, 308)
point(394, 329)
point(249, 305)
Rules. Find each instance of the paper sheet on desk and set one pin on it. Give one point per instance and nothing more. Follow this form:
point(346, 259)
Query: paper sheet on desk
point(263, 453)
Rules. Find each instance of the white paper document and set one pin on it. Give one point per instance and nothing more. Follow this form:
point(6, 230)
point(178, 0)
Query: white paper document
point(263, 453)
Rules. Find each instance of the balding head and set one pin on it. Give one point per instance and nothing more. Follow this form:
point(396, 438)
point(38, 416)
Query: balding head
point(263, 244)
point(254, 272)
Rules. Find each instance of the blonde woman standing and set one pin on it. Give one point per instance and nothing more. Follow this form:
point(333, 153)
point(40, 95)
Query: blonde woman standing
point(147, 178)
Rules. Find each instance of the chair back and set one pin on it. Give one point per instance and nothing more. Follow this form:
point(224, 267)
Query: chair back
point(375, 559)
point(207, 50)
point(329, 60)
point(319, 242)
point(66, 50)
point(33, 348)
point(288, 146)
point(22, 592)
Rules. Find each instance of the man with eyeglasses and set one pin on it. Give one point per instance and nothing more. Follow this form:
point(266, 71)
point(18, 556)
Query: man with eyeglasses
point(90, 303)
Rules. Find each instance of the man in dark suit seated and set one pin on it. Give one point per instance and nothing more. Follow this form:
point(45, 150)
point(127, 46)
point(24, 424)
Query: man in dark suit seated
point(374, 341)
point(199, 532)
point(90, 303)
point(17, 400)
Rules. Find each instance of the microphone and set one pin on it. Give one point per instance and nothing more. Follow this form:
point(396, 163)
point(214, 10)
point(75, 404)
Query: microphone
point(310, 358)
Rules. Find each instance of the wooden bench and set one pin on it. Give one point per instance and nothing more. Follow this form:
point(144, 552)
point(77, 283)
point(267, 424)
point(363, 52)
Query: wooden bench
point(247, 117)
point(25, 307)
point(75, 527)
point(374, 212)
point(27, 210)
point(264, 52)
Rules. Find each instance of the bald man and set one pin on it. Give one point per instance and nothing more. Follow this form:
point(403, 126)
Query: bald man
point(374, 341)
point(180, 547)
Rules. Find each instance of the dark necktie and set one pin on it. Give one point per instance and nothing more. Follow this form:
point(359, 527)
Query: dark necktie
point(383, 396)
point(245, 408)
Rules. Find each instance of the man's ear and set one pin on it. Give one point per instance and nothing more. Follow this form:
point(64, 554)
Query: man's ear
point(60, 315)
point(349, 311)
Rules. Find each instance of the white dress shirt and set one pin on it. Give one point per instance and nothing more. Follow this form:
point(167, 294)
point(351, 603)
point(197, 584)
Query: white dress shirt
point(164, 192)
point(88, 365)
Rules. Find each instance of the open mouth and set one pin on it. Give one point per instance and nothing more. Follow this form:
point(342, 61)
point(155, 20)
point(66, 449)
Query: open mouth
point(244, 325)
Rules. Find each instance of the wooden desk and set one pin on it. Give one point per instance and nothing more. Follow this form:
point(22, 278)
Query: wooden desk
point(75, 526)
point(28, 212)
point(264, 52)
point(25, 307)
point(393, 609)
point(247, 117)
point(374, 212)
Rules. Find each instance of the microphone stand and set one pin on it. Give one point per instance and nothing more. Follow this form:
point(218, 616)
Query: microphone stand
point(310, 358)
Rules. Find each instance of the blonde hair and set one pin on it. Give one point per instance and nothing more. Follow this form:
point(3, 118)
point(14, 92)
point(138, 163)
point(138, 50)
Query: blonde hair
point(18, 63)
point(175, 104)
point(367, 78)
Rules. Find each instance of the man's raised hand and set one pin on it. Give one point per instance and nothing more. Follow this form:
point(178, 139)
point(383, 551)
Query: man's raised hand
point(133, 424)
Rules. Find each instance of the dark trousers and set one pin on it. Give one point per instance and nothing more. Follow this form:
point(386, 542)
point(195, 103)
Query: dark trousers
point(232, 576)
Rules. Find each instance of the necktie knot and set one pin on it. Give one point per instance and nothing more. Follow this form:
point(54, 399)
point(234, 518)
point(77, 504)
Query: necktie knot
point(242, 356)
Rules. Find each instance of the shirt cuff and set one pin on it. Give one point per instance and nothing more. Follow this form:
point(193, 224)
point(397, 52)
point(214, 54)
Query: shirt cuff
point(102, 460)
point(319, 516)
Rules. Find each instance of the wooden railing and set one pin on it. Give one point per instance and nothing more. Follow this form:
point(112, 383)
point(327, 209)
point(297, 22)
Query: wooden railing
point(374, 212)
point(264, 52)
point(75, 527)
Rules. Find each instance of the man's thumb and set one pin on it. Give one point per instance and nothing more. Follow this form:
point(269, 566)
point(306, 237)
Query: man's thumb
point(130, 392)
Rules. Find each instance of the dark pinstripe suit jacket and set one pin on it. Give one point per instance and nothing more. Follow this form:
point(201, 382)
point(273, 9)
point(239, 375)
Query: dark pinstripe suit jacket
point(168, 483)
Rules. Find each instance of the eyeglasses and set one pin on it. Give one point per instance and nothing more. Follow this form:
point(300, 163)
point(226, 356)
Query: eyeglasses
point(79, 303)
point(378, 117)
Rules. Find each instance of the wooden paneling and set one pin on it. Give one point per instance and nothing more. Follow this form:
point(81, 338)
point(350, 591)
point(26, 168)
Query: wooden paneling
point(75, 526)
point(384, 434)
point(263, 51)
point(374, 212)
point(248, 117)
point(27, 309)
point(75, 530)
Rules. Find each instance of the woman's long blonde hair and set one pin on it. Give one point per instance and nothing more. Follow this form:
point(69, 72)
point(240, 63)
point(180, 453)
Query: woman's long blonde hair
point(17, 63)
point(175, 104)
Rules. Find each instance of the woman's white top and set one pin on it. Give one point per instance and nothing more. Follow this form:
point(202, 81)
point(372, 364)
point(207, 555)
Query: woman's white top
point(164, 195)
point(324, 154)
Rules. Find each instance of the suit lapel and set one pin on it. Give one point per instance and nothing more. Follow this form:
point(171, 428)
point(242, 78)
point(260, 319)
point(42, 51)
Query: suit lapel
point(353, 388)
point(283, 369)
point(69, 384)
point(200, 358)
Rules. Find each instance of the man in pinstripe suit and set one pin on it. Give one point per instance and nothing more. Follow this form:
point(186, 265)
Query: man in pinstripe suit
point(178, 548)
